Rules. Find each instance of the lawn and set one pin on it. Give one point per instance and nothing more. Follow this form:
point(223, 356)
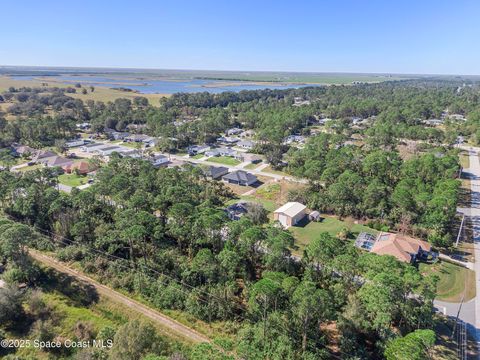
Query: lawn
point(269, 169)
point(269, 205)
point(304, 234)
point(133, 145)
point(225, 160)
point(30, 168)
point(198, 156)
point(464, 160)
point(251, 166)
point(72, 179)
point(269, 192)
point(454, 280)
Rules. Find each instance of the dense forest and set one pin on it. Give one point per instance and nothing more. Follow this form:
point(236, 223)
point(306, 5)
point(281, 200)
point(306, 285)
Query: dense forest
point(419, 194)
point(162, 234)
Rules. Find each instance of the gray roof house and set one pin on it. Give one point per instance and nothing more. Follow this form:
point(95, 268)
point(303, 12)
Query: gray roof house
point(159, 160)
point(233, 131)
point(197, 149)
point(240, 177)
point(246, 144)
point(215, 172)
point(43, 154)
point(237, 210)
point(55, 161)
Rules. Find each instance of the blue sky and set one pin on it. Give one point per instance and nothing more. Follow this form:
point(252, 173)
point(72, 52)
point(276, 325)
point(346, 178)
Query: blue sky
point(395, 36)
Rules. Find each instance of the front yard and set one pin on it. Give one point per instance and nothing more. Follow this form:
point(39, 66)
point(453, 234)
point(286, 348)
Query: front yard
point(72, 179)
point(30, 168)
point(225, 160)
point(454, 281)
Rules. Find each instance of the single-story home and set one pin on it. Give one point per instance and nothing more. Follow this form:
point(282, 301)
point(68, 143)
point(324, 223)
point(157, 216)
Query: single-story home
point(75, 143)
point(294, 139)
point(105, 151)
point(237, 210)
point(215, 172)
point(159, 160)
point(433, 122)
point(247, 133)
point(139, 138)
point(130, 153)
point(227, 139)
point(197, 149)
point(83, 126)
point(233, 131)
point(43, 154)
point(88, 148)
point(402, 247)
point(117, 135)
point(54, 161)
point(290, 214)
point(22, 150)
point(221, 151)
point(240, 177)
point(246, 144)
point(81, 167)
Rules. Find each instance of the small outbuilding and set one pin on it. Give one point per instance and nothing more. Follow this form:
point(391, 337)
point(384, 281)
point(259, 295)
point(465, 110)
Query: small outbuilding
point(314, 216)
point(290, 214)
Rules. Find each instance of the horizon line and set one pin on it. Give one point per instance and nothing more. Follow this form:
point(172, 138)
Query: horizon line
point(232, 71)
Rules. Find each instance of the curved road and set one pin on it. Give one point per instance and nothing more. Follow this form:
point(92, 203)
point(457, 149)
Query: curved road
point(159, 318)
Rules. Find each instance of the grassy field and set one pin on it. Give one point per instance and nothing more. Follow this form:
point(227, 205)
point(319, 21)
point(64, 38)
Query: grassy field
point(464, 160)
point(72, 179)
point(198, 156)
point(30, 168)
point(269, 169)
point(269, 205)
point(225, 160)
point(305, 234)
point(71, 303)
point(454, 280)
point(251, 166)
point(101, 93)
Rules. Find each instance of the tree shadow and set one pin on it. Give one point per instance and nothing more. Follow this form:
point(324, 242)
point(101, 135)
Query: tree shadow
point(77, 291)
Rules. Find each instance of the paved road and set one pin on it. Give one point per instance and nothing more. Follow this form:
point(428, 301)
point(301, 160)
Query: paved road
point(470, 312)
point(474, 213)
point(161, 319)
point(257, 171)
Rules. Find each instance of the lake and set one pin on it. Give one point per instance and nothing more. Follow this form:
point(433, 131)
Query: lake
point(170, 86)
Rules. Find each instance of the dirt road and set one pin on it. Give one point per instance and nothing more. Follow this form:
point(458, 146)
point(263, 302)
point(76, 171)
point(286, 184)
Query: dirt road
point(163, 320)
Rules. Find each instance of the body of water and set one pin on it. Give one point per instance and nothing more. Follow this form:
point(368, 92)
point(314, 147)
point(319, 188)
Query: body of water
point(147, 86)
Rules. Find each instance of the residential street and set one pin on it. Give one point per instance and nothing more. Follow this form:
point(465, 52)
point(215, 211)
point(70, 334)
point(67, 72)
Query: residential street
point(474, 213)
point(470, 312)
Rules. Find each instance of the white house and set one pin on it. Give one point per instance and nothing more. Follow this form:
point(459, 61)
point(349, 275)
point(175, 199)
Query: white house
point(159, 160)
point(74, 143)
